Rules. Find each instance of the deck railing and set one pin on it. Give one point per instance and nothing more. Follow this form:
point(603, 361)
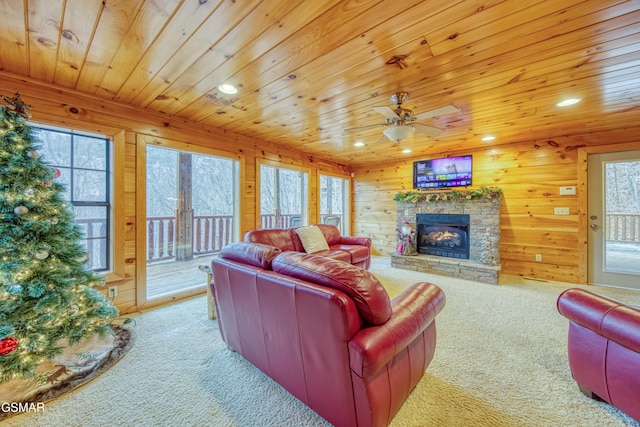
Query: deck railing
point(285, 221)
point(622, 227)
point(295, 220)
point(210, 234)
point(96, 235)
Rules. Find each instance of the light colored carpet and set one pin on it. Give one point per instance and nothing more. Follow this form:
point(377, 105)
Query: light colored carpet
point(500, 361)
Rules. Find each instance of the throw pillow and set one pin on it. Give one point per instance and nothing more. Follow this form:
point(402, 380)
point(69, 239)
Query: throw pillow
point(312, 239)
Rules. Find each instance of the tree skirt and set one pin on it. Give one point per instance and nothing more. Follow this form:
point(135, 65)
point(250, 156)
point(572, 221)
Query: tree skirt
point(75, 366)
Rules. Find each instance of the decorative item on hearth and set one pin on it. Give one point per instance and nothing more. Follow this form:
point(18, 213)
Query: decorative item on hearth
point(406, 238)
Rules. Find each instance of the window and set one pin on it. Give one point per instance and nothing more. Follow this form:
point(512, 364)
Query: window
point(334, 202)
point(84, 163)
point(283, 197)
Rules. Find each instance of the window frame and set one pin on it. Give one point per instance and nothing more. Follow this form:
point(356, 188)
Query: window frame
point(115, 187)
point(346, 216)
point(306, 186)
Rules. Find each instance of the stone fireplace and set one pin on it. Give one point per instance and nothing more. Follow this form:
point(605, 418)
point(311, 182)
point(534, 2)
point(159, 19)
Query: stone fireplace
point(454, 238)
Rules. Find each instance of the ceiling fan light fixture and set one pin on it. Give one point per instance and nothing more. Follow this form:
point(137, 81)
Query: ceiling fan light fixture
point(398, 133)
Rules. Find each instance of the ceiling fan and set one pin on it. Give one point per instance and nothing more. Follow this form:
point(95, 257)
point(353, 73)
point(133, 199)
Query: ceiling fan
point(401, 122)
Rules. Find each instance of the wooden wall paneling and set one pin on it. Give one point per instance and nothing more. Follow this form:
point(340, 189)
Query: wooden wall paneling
point(132, 129)
point(113, 22)
point(149, 20)
point(141, 220)
point(77, 34)
point(250, 42)
point(167, 43)
point(529, 174)
point(72, 107)
point(162, 90)
point(43, 38)
point(447, 78)
point(14, 48)
point(349, 51)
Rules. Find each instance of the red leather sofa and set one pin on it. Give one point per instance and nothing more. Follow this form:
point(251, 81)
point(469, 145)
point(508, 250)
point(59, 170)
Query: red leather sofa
point(354, 250)
point(604, 348)
point(326, 330)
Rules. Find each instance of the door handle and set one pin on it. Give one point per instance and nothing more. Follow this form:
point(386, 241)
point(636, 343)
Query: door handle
point(594, 227)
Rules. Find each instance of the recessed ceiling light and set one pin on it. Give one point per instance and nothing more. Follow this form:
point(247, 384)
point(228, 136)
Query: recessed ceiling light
point(488, 138)
point(406, 151)
point(568, 102)
point(228, 89)
point(359, 144)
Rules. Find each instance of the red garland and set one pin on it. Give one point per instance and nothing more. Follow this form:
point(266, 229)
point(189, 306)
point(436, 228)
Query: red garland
point(7, 345)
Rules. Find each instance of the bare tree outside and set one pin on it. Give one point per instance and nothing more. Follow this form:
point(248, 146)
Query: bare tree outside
point(282, 196)
point(82, 167)
point(622, 219)
point(623, 187)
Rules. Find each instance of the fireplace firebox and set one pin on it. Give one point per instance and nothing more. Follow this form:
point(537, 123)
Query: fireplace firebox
point(445, 235)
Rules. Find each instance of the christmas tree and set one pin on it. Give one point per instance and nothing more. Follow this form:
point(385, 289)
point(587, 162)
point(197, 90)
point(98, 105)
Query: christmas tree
point(46, 294)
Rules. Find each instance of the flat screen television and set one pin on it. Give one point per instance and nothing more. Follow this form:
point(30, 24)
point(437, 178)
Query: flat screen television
point(447, 172)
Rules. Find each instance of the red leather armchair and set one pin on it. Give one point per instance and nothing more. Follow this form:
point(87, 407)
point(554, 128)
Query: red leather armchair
point(604, 348)
point(326, 330)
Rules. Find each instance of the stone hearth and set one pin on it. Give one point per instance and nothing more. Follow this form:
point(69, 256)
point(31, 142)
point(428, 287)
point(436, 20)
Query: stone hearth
point(484, 221)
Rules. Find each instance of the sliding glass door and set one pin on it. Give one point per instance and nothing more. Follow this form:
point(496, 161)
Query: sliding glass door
point(192, 211)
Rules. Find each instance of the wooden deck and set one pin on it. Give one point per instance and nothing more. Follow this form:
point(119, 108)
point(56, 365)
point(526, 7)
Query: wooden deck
point(172, 276)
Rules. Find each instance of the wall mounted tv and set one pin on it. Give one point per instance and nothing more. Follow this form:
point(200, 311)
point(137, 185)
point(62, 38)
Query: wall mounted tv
point(448, 172)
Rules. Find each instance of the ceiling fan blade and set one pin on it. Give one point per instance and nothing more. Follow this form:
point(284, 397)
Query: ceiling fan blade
point(386, 111)
point(442, 111)
point(366, 127)
point(428, 130)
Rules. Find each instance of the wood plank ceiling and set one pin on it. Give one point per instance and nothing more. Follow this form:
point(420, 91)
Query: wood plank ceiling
point(309, 69)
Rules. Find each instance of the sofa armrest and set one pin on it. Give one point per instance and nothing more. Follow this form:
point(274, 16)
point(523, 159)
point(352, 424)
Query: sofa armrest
point(609, 318)
point(622, 325)
point(585, 308)
point(354, 240)
point(413, 311)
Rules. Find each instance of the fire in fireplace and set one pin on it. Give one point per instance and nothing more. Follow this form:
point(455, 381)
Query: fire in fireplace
point(445, 235)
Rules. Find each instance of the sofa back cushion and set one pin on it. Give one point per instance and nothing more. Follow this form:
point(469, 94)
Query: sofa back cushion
point(370, 297)
point(331, 233)
point(255, 254)
point(279, 237)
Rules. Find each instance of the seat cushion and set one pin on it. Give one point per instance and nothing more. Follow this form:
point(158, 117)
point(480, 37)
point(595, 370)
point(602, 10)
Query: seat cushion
point(356, 253)
point(370, 297)
point(336, 254)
